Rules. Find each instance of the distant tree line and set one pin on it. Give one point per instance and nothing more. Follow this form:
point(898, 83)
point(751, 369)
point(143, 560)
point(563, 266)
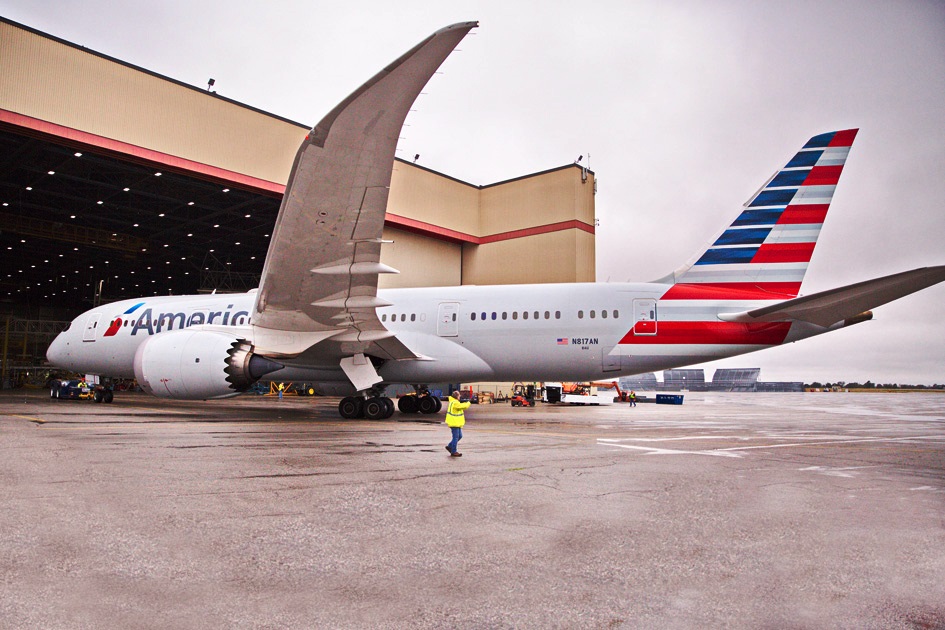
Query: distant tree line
point(871, 385)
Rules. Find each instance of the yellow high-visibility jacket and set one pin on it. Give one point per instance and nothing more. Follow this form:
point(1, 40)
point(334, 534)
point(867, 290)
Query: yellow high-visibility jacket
point(454, 413)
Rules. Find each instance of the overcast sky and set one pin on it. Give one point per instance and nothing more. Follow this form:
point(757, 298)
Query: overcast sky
point(684, 109)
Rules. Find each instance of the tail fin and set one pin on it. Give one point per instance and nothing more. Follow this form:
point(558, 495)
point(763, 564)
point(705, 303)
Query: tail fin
point(767, 248)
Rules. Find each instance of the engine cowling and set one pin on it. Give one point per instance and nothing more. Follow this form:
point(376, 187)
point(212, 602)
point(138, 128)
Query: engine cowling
point(198, 364)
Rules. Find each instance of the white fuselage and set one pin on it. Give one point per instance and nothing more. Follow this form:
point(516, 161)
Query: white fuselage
point(553, 332)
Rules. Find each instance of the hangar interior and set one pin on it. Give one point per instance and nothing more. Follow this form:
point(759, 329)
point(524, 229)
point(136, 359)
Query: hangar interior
point(118, 182)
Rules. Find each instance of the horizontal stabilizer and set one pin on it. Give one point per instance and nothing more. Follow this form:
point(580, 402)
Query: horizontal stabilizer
point(829, 307)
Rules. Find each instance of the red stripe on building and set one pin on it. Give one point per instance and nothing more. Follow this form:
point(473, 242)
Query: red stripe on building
point(453, 236)
point(540, 229)
point(843, 138)
point(714, 333)
point(428, 229)
point(135, 153)
point(813, 213)
point(733, 291)
point(784, 253)
point(823, 176)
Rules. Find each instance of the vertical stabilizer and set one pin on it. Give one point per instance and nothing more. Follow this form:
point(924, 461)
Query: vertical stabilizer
point(768, 247)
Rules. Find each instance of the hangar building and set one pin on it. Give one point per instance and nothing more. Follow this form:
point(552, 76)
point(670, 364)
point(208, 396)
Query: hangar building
point(118, 182)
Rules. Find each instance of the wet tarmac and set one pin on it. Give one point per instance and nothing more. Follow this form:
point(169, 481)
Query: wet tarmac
point(730, 511)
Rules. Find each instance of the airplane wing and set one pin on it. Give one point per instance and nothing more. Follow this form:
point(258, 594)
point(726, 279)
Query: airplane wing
point(829, 307)
point(320, 277)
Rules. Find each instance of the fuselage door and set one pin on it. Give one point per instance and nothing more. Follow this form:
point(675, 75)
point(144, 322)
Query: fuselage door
point(91, 325)
point(644, 317)
point(447, 319)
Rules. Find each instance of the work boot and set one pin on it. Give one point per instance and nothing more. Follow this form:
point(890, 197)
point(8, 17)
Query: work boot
point(456, 454)
point(447, 447)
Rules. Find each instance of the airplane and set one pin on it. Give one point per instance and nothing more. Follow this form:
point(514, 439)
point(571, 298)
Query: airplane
point(319, 317)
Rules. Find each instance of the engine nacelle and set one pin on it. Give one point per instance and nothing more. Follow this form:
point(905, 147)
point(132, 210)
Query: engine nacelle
point(198, 364)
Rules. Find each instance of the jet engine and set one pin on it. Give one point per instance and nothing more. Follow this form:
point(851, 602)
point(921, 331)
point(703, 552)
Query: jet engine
point(198, 364)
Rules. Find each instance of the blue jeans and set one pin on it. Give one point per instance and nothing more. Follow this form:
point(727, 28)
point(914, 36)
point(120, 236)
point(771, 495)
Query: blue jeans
point(457, 436)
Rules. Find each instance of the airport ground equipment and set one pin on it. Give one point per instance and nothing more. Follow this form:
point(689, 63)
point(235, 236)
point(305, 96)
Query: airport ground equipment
point(523, 395)
point(80, 389)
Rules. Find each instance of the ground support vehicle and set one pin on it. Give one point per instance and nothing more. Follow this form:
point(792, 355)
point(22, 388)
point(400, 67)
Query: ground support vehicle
point(79, 389)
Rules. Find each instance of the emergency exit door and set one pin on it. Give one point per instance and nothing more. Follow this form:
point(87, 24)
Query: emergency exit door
point(644, 317)
point(91, 325)
point(447, 319)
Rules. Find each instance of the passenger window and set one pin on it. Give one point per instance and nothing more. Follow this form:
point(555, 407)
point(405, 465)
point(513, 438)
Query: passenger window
point(557, 314)
point(483, 316)
point(593, 314)
point(413, 317)
point(454, 317)
point(472, 316)
point(493, 315)
point(603, 314)
point(580, 314)
point(514, 314)
point(616, 314)
point(524, 314)
point(384, 317)
point(547, 315)
point(536, 314)
point(403, 317)
point(505, 315)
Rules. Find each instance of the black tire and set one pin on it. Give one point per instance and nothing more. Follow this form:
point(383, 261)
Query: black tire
point(427, 404)
point(351, 407)
point(97, 395)
point(389, 405)
point(374, 409)
point(439, 404)
point(408, 404)
point(108, 396)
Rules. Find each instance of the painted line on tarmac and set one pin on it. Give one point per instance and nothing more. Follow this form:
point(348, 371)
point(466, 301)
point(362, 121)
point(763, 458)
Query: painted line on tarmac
point(30, 418)
point(665, 451)
point(731, 452)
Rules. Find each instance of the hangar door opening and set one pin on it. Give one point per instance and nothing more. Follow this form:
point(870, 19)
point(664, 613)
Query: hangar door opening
point(447, 319)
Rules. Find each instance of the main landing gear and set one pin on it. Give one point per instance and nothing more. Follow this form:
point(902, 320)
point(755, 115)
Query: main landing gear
point(374, 408)
point(424, 403)
point(378, 407)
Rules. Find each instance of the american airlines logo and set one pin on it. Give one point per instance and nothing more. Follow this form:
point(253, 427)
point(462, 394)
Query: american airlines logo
point(152, 323)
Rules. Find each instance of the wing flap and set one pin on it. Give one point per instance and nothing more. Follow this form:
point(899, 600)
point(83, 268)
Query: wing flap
point(829, 307)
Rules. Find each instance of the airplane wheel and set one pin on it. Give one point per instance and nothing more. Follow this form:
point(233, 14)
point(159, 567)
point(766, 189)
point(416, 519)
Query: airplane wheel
point(97, 396)
point(427, 404)
point(108, 396)
point(351, 407)
point(389, 405)
point(375, 409)
point(408, 404)
point(439, 405)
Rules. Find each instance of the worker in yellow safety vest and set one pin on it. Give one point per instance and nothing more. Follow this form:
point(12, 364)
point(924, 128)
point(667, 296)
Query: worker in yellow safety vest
point(455, 419)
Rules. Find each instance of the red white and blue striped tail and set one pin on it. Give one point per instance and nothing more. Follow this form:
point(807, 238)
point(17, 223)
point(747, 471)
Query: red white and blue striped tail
point(766, 250)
